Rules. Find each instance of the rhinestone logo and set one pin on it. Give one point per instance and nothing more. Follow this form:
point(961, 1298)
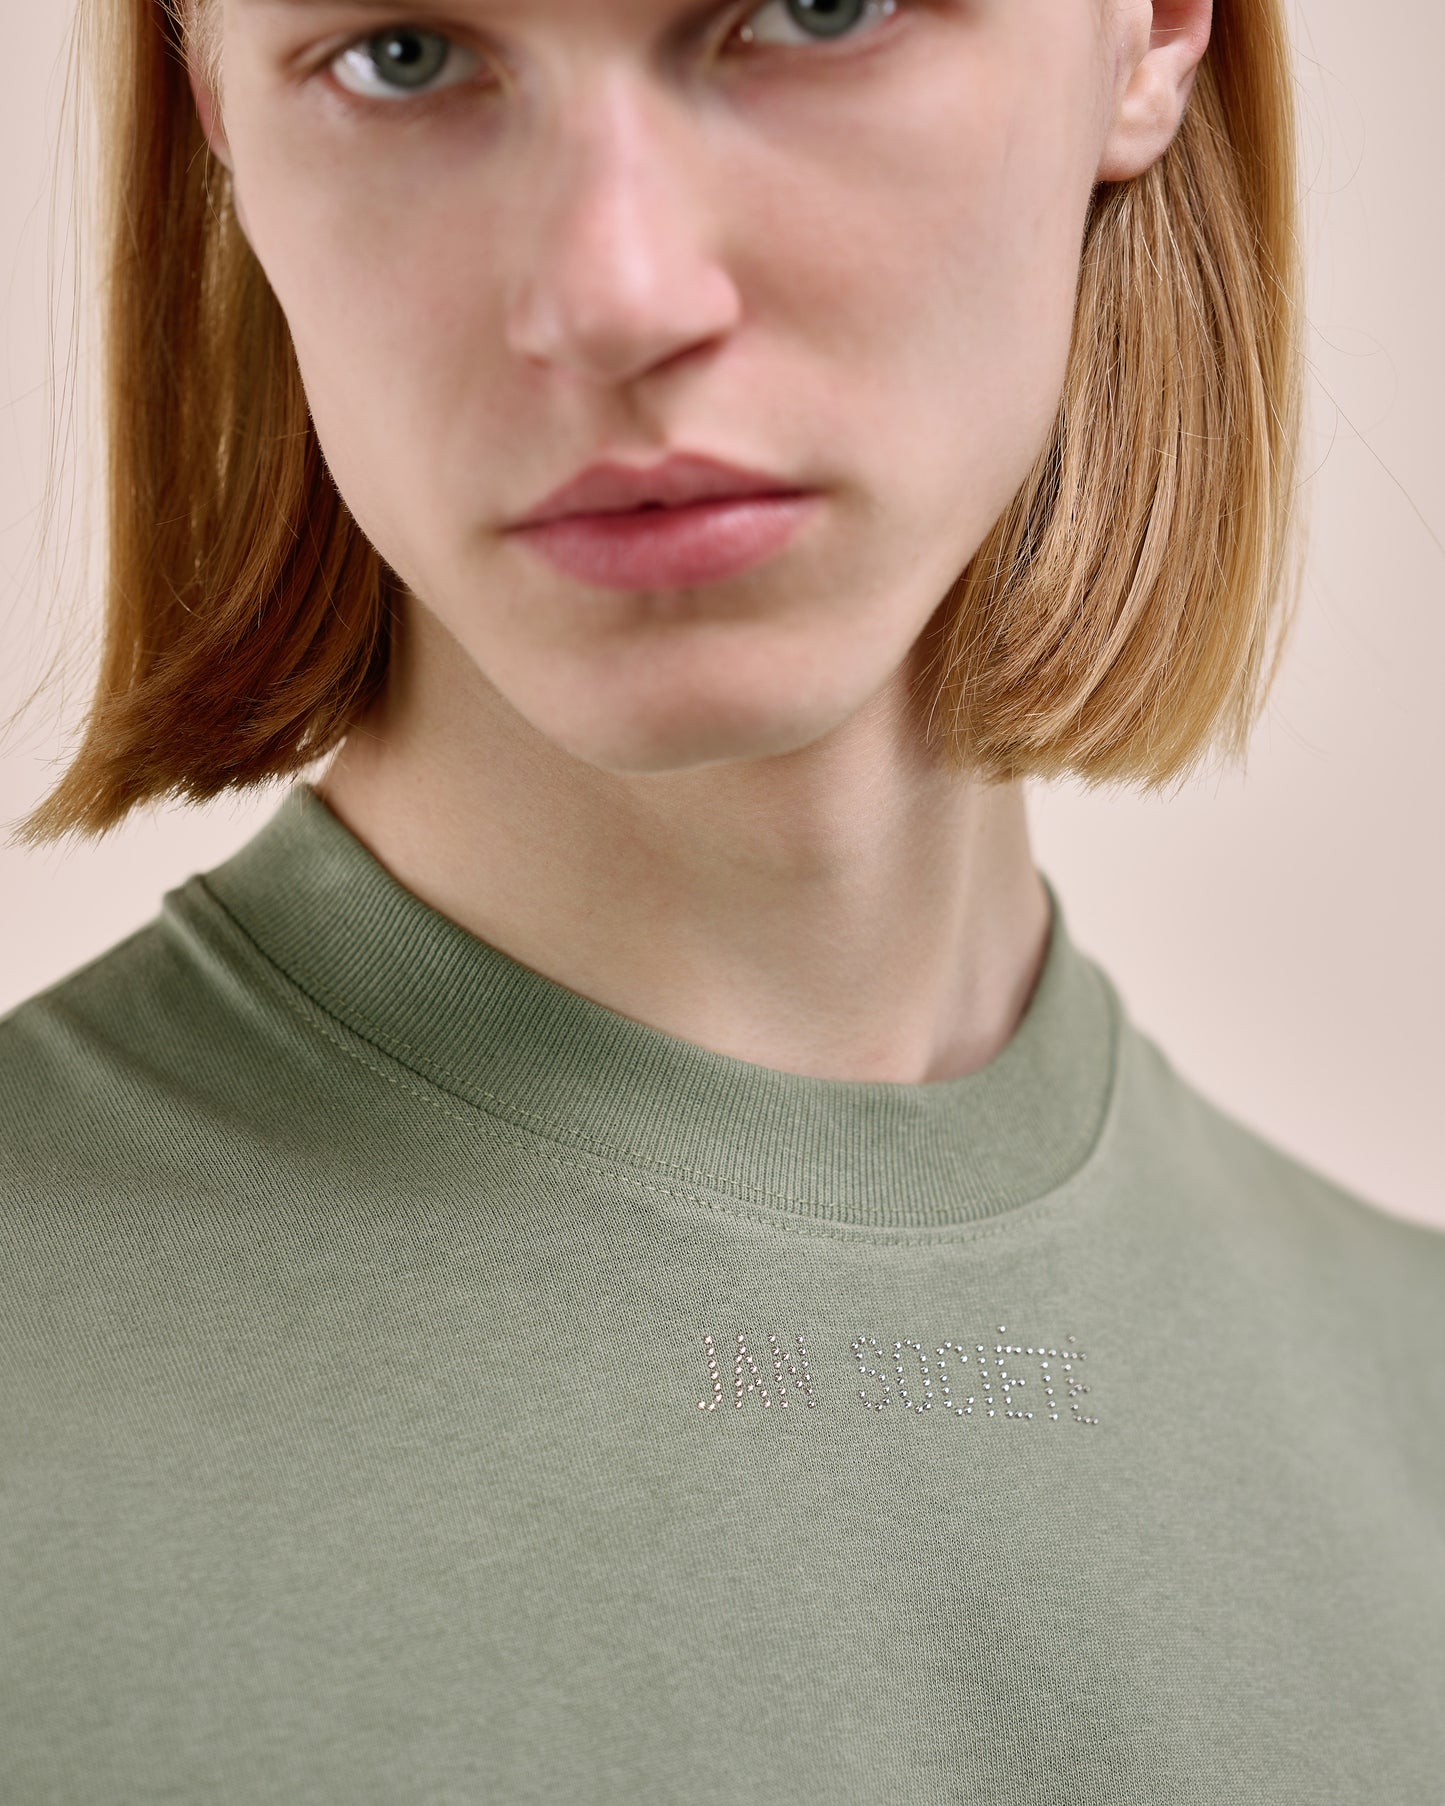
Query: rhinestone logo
point(968, 1379)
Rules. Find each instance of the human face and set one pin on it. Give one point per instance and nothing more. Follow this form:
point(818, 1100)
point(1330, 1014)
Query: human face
point(516, 236)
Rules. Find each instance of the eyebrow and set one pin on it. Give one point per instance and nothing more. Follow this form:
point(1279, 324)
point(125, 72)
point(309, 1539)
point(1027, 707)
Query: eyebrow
point(395, 7)
point(398, 9)
point(679, 33)
point(402, 8)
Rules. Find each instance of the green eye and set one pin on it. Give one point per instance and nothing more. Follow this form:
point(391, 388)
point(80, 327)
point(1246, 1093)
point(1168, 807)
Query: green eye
point(404, 61)
point(404, 55)
point(831, 18)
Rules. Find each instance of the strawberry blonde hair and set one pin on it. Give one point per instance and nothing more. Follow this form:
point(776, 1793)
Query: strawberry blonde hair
point(1125, 614)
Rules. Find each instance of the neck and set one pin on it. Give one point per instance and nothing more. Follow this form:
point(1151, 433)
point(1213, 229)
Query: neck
point(849, 910)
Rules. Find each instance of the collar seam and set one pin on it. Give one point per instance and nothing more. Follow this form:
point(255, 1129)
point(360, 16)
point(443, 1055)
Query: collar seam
point(767, 1206)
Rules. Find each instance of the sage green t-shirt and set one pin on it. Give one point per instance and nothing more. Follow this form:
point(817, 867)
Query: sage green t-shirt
point(420, 1383)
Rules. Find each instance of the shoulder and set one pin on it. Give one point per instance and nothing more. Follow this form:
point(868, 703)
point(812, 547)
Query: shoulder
point(110, 1069)
point(66, 1047)
point(1322, 1284)
point(84, 1074)
point(1286, 1211)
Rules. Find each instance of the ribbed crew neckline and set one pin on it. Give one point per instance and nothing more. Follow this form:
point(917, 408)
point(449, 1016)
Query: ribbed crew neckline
point(515, 1044)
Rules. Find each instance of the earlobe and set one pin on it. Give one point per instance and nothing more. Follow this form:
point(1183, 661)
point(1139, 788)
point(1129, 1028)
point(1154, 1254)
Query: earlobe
point(209, 114)
point(1158, 70)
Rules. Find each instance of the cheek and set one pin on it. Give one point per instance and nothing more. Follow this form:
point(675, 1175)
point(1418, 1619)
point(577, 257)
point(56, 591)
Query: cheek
point(963, 287)
point(397, 350)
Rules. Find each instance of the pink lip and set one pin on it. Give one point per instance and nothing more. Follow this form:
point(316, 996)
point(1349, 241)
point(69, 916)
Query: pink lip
point(669, 548)
point(680, 480)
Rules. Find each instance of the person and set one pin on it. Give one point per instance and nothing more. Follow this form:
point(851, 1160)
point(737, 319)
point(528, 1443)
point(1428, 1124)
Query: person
point(618, 1250)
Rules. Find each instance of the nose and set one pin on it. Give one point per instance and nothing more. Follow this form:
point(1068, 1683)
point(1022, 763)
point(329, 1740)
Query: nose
point(618, 270)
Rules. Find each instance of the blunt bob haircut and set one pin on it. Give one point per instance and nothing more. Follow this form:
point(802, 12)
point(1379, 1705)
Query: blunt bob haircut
point(1125, 614)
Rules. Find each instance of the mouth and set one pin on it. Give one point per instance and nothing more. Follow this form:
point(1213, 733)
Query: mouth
point(658, 545)
point(681, 480)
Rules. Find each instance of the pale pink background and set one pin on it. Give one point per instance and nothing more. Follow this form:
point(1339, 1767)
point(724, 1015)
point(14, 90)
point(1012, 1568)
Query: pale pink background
point(1280, 934)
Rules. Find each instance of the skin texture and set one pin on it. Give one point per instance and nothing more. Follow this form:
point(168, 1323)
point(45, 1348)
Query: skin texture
point(848, 261)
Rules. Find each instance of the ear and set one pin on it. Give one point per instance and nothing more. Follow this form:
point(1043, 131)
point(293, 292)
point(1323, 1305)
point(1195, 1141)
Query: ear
point(1158, 50)
point(209, 110)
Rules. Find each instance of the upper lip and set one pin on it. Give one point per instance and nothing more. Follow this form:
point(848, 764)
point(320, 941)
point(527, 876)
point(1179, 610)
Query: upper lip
point(611, 488)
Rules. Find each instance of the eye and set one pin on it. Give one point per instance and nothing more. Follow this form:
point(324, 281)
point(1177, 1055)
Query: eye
point(404, 60)
point(397, 62)
point(835, 18)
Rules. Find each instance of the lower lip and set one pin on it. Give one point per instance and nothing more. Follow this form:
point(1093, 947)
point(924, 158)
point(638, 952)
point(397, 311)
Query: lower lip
point(668, 548)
